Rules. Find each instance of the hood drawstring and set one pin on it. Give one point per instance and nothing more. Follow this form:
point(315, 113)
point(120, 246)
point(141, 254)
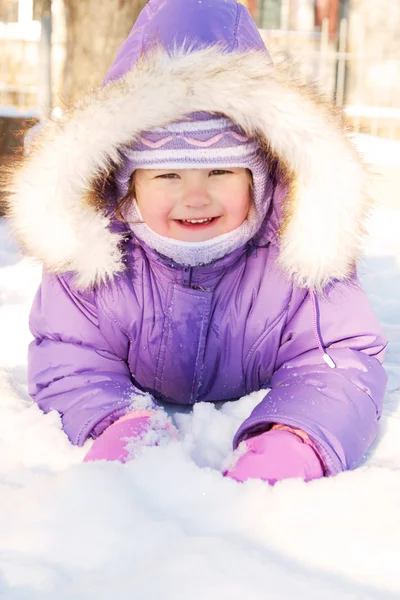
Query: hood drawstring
point(328, 359)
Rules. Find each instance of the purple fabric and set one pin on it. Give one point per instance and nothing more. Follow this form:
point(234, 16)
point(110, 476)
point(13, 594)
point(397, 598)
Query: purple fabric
point(209, 333)
point(276, 455)
point(188, 23)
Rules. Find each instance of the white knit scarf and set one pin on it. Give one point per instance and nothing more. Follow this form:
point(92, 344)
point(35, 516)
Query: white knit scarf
point(195, 253)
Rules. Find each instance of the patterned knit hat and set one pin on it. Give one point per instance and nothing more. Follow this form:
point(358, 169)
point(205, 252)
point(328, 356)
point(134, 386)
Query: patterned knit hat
point(202, 141)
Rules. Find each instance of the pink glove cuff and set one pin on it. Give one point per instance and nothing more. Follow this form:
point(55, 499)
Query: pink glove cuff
point(301, 434)
point(136, 414)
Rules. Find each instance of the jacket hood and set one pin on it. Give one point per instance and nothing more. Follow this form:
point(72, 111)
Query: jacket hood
point(186, 56)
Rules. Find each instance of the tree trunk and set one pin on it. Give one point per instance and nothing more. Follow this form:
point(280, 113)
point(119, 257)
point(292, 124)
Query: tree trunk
point(95, 30)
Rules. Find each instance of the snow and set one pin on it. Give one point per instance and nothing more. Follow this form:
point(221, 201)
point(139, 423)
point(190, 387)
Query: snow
point(378, 151)
point(12, 111)
point(373, 112)
point(168, 525)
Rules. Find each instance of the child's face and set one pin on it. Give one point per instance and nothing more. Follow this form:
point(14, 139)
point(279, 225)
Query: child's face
point(169, 200)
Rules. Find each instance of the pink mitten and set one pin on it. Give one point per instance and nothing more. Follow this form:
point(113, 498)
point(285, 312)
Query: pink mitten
point(276, 454)
point(123, 439)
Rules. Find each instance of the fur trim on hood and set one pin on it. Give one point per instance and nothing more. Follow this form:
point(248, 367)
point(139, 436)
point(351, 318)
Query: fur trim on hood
point(325, 209)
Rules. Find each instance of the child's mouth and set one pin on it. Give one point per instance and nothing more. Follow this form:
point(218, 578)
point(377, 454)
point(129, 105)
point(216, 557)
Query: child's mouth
point(197, 223)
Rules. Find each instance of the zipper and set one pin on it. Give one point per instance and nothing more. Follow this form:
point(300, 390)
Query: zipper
point(187, 277)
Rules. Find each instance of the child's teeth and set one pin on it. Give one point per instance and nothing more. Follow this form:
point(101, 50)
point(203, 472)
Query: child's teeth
point(196, 220)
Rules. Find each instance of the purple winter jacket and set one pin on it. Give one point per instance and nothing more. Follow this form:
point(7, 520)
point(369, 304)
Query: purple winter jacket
point(113, 317)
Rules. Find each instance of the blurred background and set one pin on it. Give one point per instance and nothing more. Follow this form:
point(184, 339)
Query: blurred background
point(53, 51)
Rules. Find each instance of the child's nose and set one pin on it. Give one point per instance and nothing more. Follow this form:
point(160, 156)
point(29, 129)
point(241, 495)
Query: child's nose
point(196, 196)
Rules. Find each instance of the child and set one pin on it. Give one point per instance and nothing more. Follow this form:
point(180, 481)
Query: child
point(199, 219)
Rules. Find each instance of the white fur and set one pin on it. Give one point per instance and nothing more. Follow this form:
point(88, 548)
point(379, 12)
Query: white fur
point(191, 126)
point(49, 210)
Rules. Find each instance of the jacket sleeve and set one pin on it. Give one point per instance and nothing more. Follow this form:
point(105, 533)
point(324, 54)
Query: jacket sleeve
point(339, 407)
point(73, 367)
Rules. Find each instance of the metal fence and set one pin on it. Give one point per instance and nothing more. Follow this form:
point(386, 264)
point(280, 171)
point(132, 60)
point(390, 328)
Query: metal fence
point(19, 66)
point(366, 89)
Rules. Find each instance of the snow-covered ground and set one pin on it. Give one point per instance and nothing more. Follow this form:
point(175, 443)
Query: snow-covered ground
point(383, 157)
point(168, 525)
point(378, 151)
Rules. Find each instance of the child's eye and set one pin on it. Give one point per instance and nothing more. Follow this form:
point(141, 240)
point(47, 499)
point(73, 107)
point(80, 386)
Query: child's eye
point(219, 172)
point(168, 176)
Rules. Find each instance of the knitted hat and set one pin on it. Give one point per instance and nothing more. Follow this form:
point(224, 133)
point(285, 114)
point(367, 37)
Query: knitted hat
point(202, 141)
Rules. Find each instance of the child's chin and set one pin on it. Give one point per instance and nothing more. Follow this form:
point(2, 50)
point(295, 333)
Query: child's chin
point(198, 238)
point(194, 237)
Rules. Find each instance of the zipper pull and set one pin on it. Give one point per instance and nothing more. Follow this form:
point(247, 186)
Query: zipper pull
point(329, 360)
point(187, 277)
